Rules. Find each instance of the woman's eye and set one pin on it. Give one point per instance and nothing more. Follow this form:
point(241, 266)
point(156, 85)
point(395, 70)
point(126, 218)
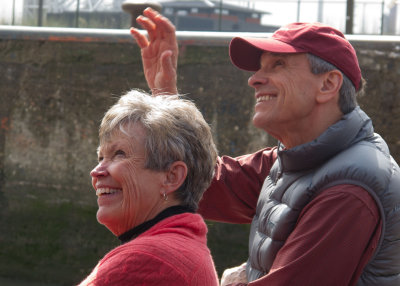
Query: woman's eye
point(99, 159)
point(119, 153)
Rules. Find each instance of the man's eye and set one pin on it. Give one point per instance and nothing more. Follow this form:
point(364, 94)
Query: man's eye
point(278, 63)
point(100, 159)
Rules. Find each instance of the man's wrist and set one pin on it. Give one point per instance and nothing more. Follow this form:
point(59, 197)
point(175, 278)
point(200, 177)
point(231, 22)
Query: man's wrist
point(164, 91)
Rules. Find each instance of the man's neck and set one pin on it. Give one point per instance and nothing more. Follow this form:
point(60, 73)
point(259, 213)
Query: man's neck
point(310, 129)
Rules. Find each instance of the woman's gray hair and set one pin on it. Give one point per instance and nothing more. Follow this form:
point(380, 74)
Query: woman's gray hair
point(347, 94)
point(175, 131)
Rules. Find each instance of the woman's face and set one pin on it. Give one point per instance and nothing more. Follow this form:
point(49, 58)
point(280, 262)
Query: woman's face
point(128, 194)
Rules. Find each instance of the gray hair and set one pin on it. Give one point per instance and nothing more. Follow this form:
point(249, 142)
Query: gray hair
point(175, 131)
point(347, 94)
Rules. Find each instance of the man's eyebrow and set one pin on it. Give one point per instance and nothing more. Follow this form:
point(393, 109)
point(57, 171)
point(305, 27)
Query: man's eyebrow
point(279, 54)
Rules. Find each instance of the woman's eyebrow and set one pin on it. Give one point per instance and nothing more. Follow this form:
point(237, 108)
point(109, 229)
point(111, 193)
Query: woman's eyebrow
point(106, 148)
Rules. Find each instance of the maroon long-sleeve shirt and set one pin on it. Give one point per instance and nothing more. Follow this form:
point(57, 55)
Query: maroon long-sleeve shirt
point(334, 238)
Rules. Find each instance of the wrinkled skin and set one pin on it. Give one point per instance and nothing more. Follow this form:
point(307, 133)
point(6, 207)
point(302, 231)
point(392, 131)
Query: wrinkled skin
point(139, 191)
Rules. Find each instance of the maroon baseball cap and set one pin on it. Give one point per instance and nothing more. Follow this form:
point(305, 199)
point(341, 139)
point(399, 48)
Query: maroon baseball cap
point(315, 38)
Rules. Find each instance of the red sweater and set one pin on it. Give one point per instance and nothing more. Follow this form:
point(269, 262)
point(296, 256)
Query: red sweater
point(335, 235)
point(172, 252)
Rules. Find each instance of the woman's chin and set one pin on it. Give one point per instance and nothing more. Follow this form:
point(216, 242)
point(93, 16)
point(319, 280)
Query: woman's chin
point(110, 212)
point(114, 220)
point(104, 218)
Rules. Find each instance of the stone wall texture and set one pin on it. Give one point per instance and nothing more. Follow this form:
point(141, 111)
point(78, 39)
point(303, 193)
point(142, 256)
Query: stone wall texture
point(53, 93)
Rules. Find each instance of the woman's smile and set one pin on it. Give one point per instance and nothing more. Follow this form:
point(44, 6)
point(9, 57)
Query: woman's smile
point(107, 197)
point(106, 191)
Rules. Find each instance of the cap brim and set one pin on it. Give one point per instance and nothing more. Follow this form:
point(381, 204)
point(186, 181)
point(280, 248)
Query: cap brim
point(245, 53)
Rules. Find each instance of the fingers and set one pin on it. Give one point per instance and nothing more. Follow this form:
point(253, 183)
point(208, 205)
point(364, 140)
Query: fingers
point(141, 39)
point(148, 25)
point(163, 28)
point(157, 26)
point(164, 25)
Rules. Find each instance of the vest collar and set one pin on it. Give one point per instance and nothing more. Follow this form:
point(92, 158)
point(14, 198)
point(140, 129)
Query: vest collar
point(353, 127)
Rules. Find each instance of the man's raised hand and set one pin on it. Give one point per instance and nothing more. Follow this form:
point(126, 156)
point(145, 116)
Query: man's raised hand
point(159, 51)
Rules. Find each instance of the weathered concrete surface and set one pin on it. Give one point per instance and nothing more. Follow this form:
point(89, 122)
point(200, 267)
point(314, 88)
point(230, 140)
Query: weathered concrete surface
point(380, 64)
point(54, 89)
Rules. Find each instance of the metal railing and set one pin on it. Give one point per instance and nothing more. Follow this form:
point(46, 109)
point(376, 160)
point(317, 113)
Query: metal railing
point(123, 36)
point(350, 16)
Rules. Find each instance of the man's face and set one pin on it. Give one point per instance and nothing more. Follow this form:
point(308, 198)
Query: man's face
point(285, 91)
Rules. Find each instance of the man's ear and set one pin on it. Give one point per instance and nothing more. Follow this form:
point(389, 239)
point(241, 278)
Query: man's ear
point(330, 87)
point(174, 177)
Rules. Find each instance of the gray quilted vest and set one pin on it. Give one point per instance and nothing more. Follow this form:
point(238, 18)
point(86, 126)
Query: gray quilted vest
point(348, 152)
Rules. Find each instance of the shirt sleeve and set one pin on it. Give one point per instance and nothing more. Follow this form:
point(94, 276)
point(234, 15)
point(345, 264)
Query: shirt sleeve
point(335, 237)
point(233, 194)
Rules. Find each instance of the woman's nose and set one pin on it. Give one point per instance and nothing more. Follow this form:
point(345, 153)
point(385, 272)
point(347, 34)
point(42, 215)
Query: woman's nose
point(257, 79)
point(99, 171)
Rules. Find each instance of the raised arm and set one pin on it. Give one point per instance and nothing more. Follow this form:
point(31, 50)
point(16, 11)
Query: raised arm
point(159, 51)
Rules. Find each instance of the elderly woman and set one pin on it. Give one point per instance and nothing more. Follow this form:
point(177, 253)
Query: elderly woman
point(156, 158)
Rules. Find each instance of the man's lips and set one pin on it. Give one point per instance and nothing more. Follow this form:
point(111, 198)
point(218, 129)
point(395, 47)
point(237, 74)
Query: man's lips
point(268, 97)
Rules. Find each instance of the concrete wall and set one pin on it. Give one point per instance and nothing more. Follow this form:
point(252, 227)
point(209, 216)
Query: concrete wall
point(55, 85)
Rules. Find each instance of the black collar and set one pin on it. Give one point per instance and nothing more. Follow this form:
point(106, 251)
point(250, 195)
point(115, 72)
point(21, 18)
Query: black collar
point(137, 230)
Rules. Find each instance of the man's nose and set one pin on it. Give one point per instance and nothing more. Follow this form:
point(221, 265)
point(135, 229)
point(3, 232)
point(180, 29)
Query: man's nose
point(257, 79)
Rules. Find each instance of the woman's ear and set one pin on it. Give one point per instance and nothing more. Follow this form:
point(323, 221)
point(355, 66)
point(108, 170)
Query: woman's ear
point(174, 177)
point(331, 84)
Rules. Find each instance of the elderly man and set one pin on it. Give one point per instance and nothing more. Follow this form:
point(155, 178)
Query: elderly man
point(323, 204)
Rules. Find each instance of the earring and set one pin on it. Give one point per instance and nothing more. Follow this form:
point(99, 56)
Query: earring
point(165, 196)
